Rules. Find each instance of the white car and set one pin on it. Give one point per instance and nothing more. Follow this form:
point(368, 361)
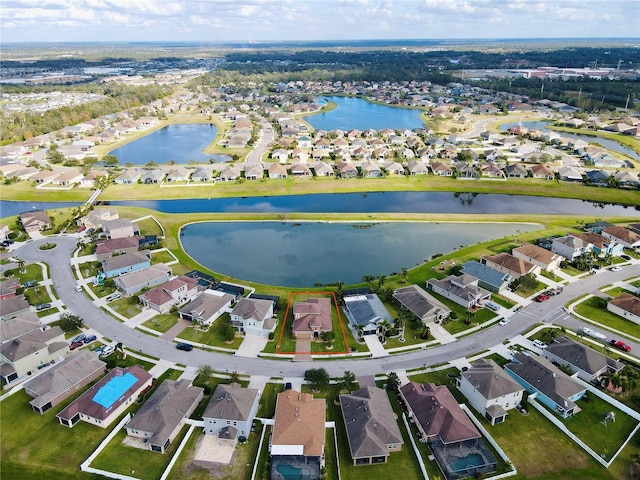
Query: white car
point(504, 321)
point(78, 288)
point(539, 344)
point(616, 269)
point(108, 350)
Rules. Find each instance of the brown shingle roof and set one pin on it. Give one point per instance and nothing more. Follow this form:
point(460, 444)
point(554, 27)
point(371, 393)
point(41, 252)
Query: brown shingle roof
point(627, 302)
point(533, 251)
point(511, 263)
point(299, 420)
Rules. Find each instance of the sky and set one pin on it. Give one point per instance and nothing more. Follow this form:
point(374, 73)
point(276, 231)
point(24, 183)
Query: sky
point(309, 20)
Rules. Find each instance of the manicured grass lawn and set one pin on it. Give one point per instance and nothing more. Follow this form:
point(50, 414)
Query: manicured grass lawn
point(125, 307)
point(162, 322)
point(37, 295)
point(500, 300)
point(616, 291)
point(89, 269)
point(101, 290)
point(37, 446)
point(213, 335)
point(527, 292)
point(31, 272)
point(161, 256)
point(87, 249)
point(569, 270)
point(595, 308)
point(267, 408)
point(587, 425)
point(144, 464)
point(48, 311)
point(551, 276)
point(149, 226)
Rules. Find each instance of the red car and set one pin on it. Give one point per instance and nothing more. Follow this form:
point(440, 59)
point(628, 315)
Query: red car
point(75, 345)
point(620, 344)
point(542, 297)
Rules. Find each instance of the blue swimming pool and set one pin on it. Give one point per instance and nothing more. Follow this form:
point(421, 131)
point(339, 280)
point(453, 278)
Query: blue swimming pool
point(111, 391)
point(470, 461)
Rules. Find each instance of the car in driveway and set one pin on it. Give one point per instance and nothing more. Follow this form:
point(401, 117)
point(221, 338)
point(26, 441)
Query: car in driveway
point(625, 257)
point(108, 350)
point(184, 346)
point(619, 344)
point(90, 339)
point(79, 338)
point(504, 321)
point(113, 296)
point(539, 344)
point(43, 306)
point(75, 345)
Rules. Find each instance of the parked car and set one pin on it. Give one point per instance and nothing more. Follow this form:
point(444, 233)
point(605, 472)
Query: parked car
point(75, 345)
point(616, 269)
point(542, 297)
point(113, 296)
point(108, 350)
point(90, 339)
point(43, 306)
point(79, 338)
point(504, 321)
point(539, 344)
point(492, 306)
point(78, 288)
point(184, 346)
point(620, 345)
point(625, 257)
point(30, 283)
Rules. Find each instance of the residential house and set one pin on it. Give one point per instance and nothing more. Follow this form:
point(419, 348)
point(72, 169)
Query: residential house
point(600, 244)
point(157, 423)
point(201, 175)
point(371, 426)
point(68, 178)
point(62, 380)
point(417, 168)
point(569, 174)
point(120, 228)
point(125, 263)
point(312, 317)
point(515, 170)
point(5, 231)
point(490, 390)
point(302, 170)
point(133, 282)
point(9, 287)
point(298, 432)
point(542, 171)
point(624, 236)
point(347, 170)
point(153, 176)
point(254, 172)
point(570, 247)
point(44, 177)
point(128, 176)
point(462, 289)
point(371, 170)
point(491, 170)
point(551, 386)
point(490, 278)
point(90, 179)
point(229, 174)
point(366, 312)
point(172, 293)
point(31, 347)
point(230, 412)
point(589, 364)
point(424, 306)
point(179, 174)
point(206, 307)
point(116, 246)
point(35, 221)
point(442, 169)
point(322, 169)
point(100, 405)
point(95, 218)
point(539, 256)
point(254, 316)
point(598, 178)
point(507, 263)
point(277, 170)
point(627, 179)
point(394, 168)
point(13, 306)
point(626, 306)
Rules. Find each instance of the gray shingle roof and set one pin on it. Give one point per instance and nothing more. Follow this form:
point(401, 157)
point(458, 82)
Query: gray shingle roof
point(581, 356)
point(490, 380)
point(485, 274)
point(231, 402)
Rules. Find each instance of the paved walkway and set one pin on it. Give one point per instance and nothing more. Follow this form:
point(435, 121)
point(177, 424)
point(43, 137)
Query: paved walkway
point(251, 346)
point(259, 382)
point(440, 333)
point(160, 367)
point(375, 347)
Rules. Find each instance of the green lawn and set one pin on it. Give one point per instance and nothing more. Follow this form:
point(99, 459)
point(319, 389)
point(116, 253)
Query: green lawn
point(500, 300)
point(267, 408)
point(595, 308)
point(149, 226)
point(569, 270)
point(162, 256)
point(127, 307)
point(213, 335)
point(31, 272)
point(102, 290)
point(551, 276)
point(587, 425)
point(37, 295)
point(616, 291)
point(162, 322)
point(89, 269)
point(47, 312)
point(527, 292)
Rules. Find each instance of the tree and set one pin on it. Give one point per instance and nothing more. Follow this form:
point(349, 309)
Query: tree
point(317, 378)
point(234, 377)
point(329, 336)
point(528, 281)
point(204, 373)
point(348, 381)
point(393, 381)
point(110, 161)
point(404, 272)
point(549, 335)
point(227, 332)
point(426, 331)
point(368, 279)
point(381, 279)
point(70, 322)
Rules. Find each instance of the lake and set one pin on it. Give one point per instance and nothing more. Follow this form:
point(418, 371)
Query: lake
point(308, 253)
point(179, 143)
point(389, 202)
point(603, 142)
point(356, 113)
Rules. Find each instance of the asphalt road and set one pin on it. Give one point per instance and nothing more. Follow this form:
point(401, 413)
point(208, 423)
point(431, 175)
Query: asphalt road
point(81, 305)
point(266, 137)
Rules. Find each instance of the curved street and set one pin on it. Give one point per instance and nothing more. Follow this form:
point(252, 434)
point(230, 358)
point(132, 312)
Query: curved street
point(550, 311)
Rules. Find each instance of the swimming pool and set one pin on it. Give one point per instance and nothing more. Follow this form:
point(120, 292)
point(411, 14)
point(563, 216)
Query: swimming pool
point(289, 472)
point(464, 463)
point(111, 391)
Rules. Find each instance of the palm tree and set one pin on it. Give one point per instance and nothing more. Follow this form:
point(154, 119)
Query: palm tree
point(404, 272)
point(549, 335)
point(400, 323)
point(205, 372)
point(381, 279)
point(368, 279)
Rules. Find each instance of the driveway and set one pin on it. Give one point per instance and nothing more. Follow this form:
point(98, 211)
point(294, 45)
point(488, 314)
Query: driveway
point(251, 346)
point(64, 284)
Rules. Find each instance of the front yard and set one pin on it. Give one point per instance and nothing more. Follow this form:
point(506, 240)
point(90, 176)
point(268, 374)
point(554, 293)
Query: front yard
point(213, 335)
point(127, 307)
point(595, 309)
point(162, 322)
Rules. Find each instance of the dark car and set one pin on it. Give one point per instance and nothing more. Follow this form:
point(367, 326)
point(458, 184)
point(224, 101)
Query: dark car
point(75, 345)
point(30, 283)
point(625, 257)
point(184, 346)
point(90, 339)
point(43, 306)
point(287, 386)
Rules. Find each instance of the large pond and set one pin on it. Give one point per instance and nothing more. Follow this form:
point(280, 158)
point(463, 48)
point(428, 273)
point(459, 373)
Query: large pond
point(356, 113)
point(178, 143)
point(603, 142)
point(307, 254)
point(389, 202)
